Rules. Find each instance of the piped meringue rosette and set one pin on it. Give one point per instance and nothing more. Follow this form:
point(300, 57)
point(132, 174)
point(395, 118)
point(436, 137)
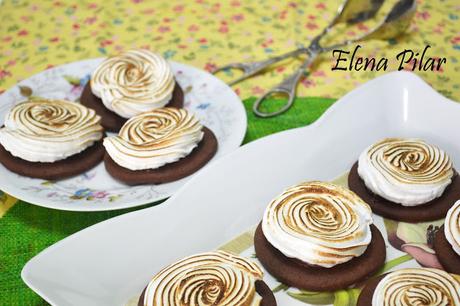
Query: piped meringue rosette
point(214, 278)
point(452, 227)
point(417, 286)
point(153, 139)
point(319, 223)
point(405, 171)
point(133, 82)
point(42, 130)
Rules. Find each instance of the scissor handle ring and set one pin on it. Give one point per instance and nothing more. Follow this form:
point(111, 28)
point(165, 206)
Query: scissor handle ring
point(285, 107)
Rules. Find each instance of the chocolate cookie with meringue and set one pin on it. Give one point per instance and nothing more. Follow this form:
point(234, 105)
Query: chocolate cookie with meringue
point(159, 146)
point(128, 84)
point(412, 286)
point(51, 139)
point(405, 179)
point(214, 278)
point(447, 241)
point(318, 236)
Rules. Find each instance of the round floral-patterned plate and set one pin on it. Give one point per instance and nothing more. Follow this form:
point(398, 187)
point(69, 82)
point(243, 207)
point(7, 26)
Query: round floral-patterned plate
point(218, 107)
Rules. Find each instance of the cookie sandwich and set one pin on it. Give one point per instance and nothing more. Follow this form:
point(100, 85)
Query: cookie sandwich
point(159, 146)
point(406, 179)
point(213, 278)
point(318, 236)
point(128, 84)
point(51, 139)
point(413, 286)
point(447, 241)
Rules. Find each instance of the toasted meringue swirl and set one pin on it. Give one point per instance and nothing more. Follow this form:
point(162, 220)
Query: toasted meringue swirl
point(452, 227)
point(214, 278)
point(405, 171)
point(153, 139)
point(417, 287)
point(133, 82)
point(318, 223)
point(42, 130)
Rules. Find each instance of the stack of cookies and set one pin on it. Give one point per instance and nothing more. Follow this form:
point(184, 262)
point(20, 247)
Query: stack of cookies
point(51, 139)
point(321, 237)
point(133, 94)
point(159, 146)
point(129, 84)
point(318, 236)
point(410, 180)
point(447, 241)
point(407, 180)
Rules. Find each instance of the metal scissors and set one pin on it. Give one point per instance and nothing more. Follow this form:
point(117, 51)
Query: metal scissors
point(351, 11)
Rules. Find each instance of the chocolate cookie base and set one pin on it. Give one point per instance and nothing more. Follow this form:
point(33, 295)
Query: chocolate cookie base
point(110, 120)
point(297, 274)
point(268, 299)
point(169, 172)
point(72, 165)
point(365, 297)
point(449, 260)
point(433, 210)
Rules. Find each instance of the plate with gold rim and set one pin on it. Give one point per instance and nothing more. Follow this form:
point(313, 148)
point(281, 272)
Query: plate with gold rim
point(216, 104)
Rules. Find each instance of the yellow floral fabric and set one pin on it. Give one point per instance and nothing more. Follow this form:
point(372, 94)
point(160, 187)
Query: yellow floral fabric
point(6, 202)
point(36, 35)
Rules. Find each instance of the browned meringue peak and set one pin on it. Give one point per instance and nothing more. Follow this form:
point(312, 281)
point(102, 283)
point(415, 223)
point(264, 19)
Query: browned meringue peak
point(47, 130)
point(318, 223)
point(214, 278)
point(405, 171)
point(417, 286)
point(42, 117)
point(155, 138)
point(411, 161)
point(133, 82)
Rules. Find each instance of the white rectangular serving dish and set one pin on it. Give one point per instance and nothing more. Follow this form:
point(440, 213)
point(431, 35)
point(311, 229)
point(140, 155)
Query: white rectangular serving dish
point(109, 263)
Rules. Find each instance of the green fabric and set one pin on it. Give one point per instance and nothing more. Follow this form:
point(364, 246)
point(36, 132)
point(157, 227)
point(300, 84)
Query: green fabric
point(303, 112)
point(27, 229)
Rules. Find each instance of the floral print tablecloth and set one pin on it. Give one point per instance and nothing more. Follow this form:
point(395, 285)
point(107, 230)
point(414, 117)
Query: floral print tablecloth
point(36, 35)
